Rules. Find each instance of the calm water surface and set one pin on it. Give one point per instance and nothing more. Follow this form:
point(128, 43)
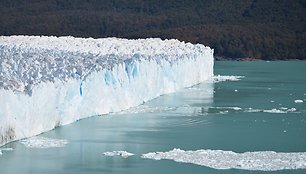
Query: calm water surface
point(199, 117)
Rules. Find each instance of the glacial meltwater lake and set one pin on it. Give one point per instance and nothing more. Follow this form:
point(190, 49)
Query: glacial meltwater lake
point(223, 126)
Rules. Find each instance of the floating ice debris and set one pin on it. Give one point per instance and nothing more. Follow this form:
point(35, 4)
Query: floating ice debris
point(269, 88)
point(146, 109)
point(298, 101)
point(229, 107)
point(43, 142)
point(219, 159)
point(123, 154)
point(291, 110)
point(235, 108)
point(282, 110)
point(221, 78)
point(275, 111)
point(236, 90)
point(272, 101)
point(221, 109)
point(252, 110)
point(224, 110)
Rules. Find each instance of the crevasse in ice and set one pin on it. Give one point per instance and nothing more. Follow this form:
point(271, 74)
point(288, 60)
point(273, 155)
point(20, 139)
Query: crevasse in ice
point(51, 81)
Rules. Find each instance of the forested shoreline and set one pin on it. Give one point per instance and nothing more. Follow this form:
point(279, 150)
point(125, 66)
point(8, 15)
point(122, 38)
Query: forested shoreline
point(255, 29)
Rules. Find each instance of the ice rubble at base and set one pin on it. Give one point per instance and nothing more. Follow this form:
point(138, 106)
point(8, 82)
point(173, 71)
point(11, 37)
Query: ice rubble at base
point(43, 142)
point(219, 159)
point(49, 81)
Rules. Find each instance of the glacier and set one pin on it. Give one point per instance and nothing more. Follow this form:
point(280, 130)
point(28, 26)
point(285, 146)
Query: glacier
point(47, 82)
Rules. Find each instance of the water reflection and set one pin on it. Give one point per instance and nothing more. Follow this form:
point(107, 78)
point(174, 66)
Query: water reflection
point(188, 101)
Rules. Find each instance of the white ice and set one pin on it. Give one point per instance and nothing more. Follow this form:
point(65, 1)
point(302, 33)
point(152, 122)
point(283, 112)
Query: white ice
point(219, 159)
point(46, 82)
point(222, 78)
point(298, 101)
point(123, 154)
point(43, 142)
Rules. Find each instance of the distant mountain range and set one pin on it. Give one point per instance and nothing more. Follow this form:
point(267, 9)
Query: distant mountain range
point(253, 29)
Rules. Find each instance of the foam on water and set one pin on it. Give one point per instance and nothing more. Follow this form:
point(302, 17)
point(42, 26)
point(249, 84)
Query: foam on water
point(219, 159)
point(43, 142)
point(123, 154)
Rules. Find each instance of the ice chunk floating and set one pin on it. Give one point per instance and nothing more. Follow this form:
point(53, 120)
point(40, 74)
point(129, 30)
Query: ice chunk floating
point(222, 78)
point(51, 81)
point(123, 154)
point(219, 159)
point(298, 101)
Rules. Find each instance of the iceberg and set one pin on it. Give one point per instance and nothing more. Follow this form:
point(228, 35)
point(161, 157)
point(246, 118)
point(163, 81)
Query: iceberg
point(123, 154)
point(47, 82)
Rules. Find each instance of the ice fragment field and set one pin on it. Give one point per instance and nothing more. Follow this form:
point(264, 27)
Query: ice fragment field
point(219, 159)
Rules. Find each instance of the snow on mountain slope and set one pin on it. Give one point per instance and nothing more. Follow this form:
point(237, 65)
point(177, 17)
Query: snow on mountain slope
point(51, 81)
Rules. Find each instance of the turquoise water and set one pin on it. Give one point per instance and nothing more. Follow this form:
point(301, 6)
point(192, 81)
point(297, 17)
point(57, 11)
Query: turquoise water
point(234, 116)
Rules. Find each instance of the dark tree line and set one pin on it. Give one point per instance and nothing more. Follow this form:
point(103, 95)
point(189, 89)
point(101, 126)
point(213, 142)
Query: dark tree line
point(263, 29)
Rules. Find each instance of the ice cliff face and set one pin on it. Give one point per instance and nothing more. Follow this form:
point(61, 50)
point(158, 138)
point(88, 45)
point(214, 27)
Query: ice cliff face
point(51, 81)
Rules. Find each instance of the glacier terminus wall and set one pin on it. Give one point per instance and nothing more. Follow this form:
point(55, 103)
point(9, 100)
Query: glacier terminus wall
point(47, 82)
